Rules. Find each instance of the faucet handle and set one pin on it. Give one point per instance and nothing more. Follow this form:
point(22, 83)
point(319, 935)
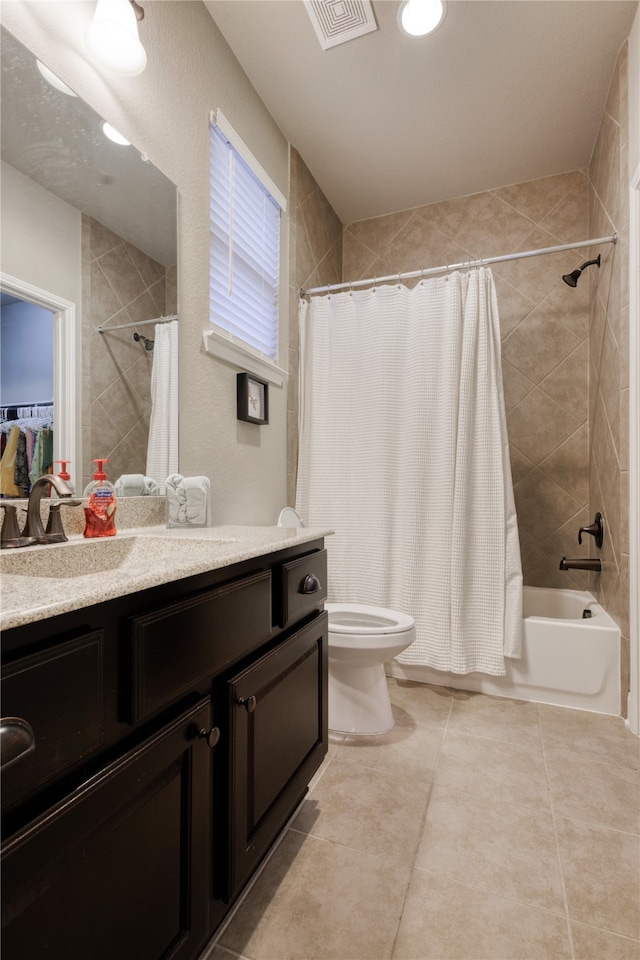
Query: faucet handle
point(55, 531)
point(595, 529)
point(10, 533)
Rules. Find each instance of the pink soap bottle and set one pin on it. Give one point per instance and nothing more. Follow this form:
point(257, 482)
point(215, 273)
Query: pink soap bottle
point(100, 509)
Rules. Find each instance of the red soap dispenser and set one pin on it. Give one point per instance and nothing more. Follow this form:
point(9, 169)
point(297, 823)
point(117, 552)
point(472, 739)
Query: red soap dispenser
point(101, 506)
point(64, 474)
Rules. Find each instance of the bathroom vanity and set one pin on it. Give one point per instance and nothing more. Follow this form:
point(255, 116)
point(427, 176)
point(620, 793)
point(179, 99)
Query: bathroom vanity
point(176, 725)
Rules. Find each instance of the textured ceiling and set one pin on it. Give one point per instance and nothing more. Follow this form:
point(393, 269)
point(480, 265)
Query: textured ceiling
point(504, 91)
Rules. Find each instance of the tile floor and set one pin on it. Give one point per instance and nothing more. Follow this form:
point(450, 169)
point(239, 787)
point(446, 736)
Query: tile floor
point(478, 829)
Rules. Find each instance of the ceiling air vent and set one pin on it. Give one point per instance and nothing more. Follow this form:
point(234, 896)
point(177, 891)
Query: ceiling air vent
point(336, 21)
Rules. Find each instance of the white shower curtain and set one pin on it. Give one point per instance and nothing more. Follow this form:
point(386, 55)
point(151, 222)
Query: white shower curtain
point(162, 450)
point(404, 453)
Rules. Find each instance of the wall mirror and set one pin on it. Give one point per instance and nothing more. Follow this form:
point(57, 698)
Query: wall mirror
point(89, 236)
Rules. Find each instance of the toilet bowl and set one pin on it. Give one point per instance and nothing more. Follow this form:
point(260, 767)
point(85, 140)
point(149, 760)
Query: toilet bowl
point(361, 638)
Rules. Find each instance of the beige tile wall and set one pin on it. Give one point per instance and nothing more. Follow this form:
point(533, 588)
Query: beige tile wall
point(609, 357)
point(315, 258)
point(544, 326)
point(121, 284)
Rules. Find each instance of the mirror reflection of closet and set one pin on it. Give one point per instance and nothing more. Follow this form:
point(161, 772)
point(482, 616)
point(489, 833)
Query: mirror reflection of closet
point(89, 228)
point(26, 394)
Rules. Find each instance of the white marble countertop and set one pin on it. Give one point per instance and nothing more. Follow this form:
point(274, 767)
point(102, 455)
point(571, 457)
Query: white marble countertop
point(46, 580)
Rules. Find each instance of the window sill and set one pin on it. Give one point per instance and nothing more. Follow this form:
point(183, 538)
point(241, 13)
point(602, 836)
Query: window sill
point(226, 348)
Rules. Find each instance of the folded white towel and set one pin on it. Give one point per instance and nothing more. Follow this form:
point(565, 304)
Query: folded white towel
point(136, 485)
point(187, 500)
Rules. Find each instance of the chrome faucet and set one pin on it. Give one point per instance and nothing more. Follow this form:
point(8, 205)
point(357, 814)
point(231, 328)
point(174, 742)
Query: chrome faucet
point(33, 530)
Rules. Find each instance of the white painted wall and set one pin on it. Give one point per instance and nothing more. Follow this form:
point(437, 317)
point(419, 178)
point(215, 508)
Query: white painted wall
point(41, 237)
point(164, 112)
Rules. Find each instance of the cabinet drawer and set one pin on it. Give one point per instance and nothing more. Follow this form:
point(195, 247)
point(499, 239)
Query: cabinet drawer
point(59, 693)
point(176, 647)
point(304, 586)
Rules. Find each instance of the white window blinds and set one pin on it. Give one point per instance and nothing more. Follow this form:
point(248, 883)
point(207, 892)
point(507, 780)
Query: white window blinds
point(244, 252)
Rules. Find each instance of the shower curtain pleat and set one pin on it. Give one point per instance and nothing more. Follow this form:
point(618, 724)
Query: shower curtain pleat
point(404, 453)
point(162, 450)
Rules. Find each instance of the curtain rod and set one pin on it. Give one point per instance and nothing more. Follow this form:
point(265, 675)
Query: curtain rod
point(141, 323)
point(468, 264)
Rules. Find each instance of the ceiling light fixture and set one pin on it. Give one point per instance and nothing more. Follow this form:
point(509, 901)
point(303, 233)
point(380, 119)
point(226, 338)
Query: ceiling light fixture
point(417, 18)
point(55, 81)
point(115, 135)
point(112, 36)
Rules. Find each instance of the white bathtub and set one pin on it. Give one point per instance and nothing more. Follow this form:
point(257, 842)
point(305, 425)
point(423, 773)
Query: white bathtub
point(566, 660)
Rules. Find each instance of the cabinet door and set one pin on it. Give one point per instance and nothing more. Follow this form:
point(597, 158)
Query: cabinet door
point(119, 869)
point(278, 740)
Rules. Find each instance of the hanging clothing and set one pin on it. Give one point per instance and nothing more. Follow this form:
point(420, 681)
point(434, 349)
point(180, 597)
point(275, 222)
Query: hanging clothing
point(162, 450)
point(8, 486)
point(404, 454)
point(21, 474)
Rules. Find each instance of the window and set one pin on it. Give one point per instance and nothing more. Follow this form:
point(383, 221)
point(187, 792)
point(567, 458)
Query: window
point(245, 209)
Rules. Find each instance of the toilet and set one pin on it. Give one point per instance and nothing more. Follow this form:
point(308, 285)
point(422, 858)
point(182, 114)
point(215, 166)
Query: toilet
point(361, 638)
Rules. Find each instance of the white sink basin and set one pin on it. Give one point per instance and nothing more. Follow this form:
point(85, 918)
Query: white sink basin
point(120, 553)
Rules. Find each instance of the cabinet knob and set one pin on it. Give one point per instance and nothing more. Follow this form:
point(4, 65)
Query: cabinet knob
point(249, 703)
point(16, 739)
point(211, 736)
point(310, 584)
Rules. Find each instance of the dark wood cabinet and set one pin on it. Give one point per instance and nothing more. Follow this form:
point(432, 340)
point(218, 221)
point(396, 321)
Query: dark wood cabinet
point(118, 869)
point(278, 737)
point(176, 731)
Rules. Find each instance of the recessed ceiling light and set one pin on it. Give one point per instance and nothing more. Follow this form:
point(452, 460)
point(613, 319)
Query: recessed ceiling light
point(55, 81)
point(115, 135)
point(417, 18)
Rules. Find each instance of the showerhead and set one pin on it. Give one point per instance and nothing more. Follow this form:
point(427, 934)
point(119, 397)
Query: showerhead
point(148, 344)
point(572, 278)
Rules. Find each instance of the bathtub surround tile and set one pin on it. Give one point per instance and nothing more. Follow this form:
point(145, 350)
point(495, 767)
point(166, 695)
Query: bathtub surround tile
point(601, 869)
point(538, 342)
point(543, 506)
point(508, 849)
point(367, 809)
point(444, 920)
point(516, 386)
point(567, 466)
point(568, 382)
point(494, 769)
point(319, 901)
point(590, 943)
point(536, 199)
point(593, 791)
point(540, 424)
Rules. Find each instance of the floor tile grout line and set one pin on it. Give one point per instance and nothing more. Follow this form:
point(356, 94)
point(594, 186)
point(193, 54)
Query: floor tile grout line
point(423, 822)
point(565, 897)
point(560, 914)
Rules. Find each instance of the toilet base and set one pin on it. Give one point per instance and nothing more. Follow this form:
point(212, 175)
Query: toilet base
point(359, 703)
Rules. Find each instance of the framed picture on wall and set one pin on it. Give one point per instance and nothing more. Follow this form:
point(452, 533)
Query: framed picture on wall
point(253, 399)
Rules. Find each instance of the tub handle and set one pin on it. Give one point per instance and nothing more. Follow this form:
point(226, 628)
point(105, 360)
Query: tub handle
point(595, 529)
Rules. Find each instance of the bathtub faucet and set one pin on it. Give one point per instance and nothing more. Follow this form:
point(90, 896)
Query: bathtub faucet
point(581, 563)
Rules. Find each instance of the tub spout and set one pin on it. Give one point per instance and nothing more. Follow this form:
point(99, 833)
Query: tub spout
point(581, 563)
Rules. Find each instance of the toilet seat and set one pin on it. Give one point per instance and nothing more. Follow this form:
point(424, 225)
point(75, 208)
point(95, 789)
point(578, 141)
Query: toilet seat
point(362, 618)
